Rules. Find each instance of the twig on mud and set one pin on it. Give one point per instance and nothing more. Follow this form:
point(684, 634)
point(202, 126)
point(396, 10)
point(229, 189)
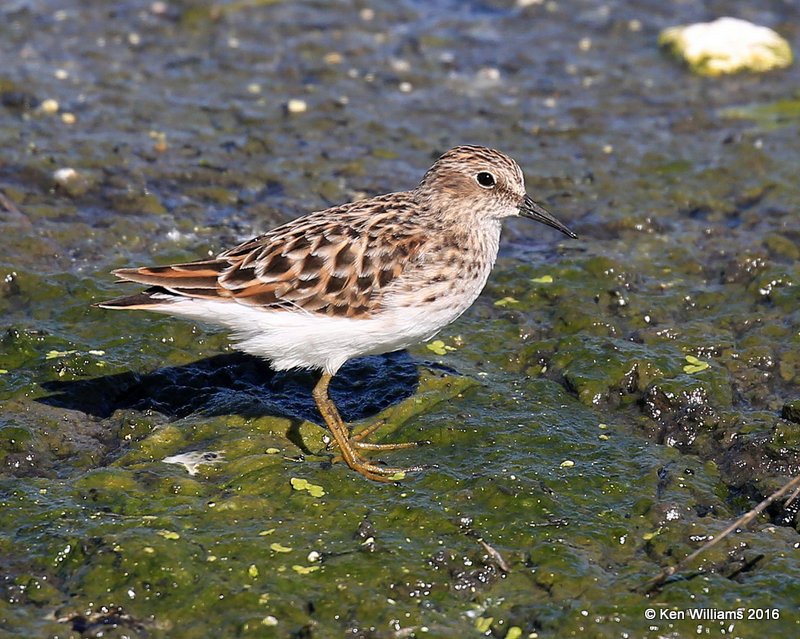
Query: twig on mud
point(658, 580)
point(492, 552)
point(793, 496)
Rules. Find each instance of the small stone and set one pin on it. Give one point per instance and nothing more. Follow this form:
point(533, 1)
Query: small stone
point(68, 118)
point(296, 105)
point(488, 74)
point(49, 106)
point(63, 176)
point(71, 181)
point(399, 65)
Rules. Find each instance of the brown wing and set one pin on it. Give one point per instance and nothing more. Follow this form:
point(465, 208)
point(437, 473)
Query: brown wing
point(337, 262)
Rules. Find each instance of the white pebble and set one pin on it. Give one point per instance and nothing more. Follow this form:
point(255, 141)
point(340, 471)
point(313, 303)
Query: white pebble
point(489, 73)
point(49, 106)
point(400, 65)
point(65, 176)
point(296, 105)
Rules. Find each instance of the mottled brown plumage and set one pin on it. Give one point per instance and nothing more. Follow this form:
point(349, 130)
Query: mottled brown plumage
point(366, 277)
point(338, 262)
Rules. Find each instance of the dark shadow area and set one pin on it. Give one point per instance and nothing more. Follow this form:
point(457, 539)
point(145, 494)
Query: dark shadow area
point(239, 384)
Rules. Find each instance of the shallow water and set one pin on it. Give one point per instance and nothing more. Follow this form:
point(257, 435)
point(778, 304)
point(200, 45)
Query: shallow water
point(571, 433)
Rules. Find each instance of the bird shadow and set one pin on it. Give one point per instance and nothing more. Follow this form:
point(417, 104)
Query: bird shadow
point(240, 384)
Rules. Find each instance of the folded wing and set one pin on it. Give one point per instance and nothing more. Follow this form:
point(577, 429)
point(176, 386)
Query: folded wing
point(337, 263)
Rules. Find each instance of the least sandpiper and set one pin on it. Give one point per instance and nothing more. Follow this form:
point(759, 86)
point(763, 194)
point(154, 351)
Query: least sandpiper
point(368, 277)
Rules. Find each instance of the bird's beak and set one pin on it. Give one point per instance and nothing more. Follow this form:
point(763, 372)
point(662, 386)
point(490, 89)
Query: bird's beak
point(534, 211)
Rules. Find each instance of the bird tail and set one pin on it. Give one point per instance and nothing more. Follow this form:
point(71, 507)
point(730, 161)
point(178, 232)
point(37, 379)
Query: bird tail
point(168, 284)
point(151, 298)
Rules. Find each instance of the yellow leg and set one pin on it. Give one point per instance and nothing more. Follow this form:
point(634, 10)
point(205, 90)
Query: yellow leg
point(342, 437)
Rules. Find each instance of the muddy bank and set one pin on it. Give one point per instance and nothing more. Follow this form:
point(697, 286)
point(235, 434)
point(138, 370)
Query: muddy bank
point(605, 406)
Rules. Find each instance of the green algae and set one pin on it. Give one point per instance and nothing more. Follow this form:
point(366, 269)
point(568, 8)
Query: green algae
point(689, 249)
point(145, 536)
point(767, 117)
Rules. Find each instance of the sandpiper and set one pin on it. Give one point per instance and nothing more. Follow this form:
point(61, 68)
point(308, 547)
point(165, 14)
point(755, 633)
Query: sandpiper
point(368, 277)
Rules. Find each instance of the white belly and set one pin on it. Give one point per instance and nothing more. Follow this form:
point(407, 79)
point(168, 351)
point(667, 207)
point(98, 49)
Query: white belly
point(298, 339)
point(422, 303)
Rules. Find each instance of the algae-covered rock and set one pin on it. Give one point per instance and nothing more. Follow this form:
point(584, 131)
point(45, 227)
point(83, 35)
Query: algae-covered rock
point(681, 410)
point(727, 45)
point(72, 182)
point(791, 411)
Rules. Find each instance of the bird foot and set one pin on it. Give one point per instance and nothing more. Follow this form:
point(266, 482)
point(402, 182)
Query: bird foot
point(378, 472)
point(357, 439)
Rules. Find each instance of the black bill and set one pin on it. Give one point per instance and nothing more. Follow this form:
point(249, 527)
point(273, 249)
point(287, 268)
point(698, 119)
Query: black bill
point(534, 211)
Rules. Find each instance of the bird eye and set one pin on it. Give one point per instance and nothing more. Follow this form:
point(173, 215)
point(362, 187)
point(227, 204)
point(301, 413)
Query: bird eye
point(485, 179)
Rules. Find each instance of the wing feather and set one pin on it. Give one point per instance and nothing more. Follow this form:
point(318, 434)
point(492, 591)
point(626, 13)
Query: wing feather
point(338, 262)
